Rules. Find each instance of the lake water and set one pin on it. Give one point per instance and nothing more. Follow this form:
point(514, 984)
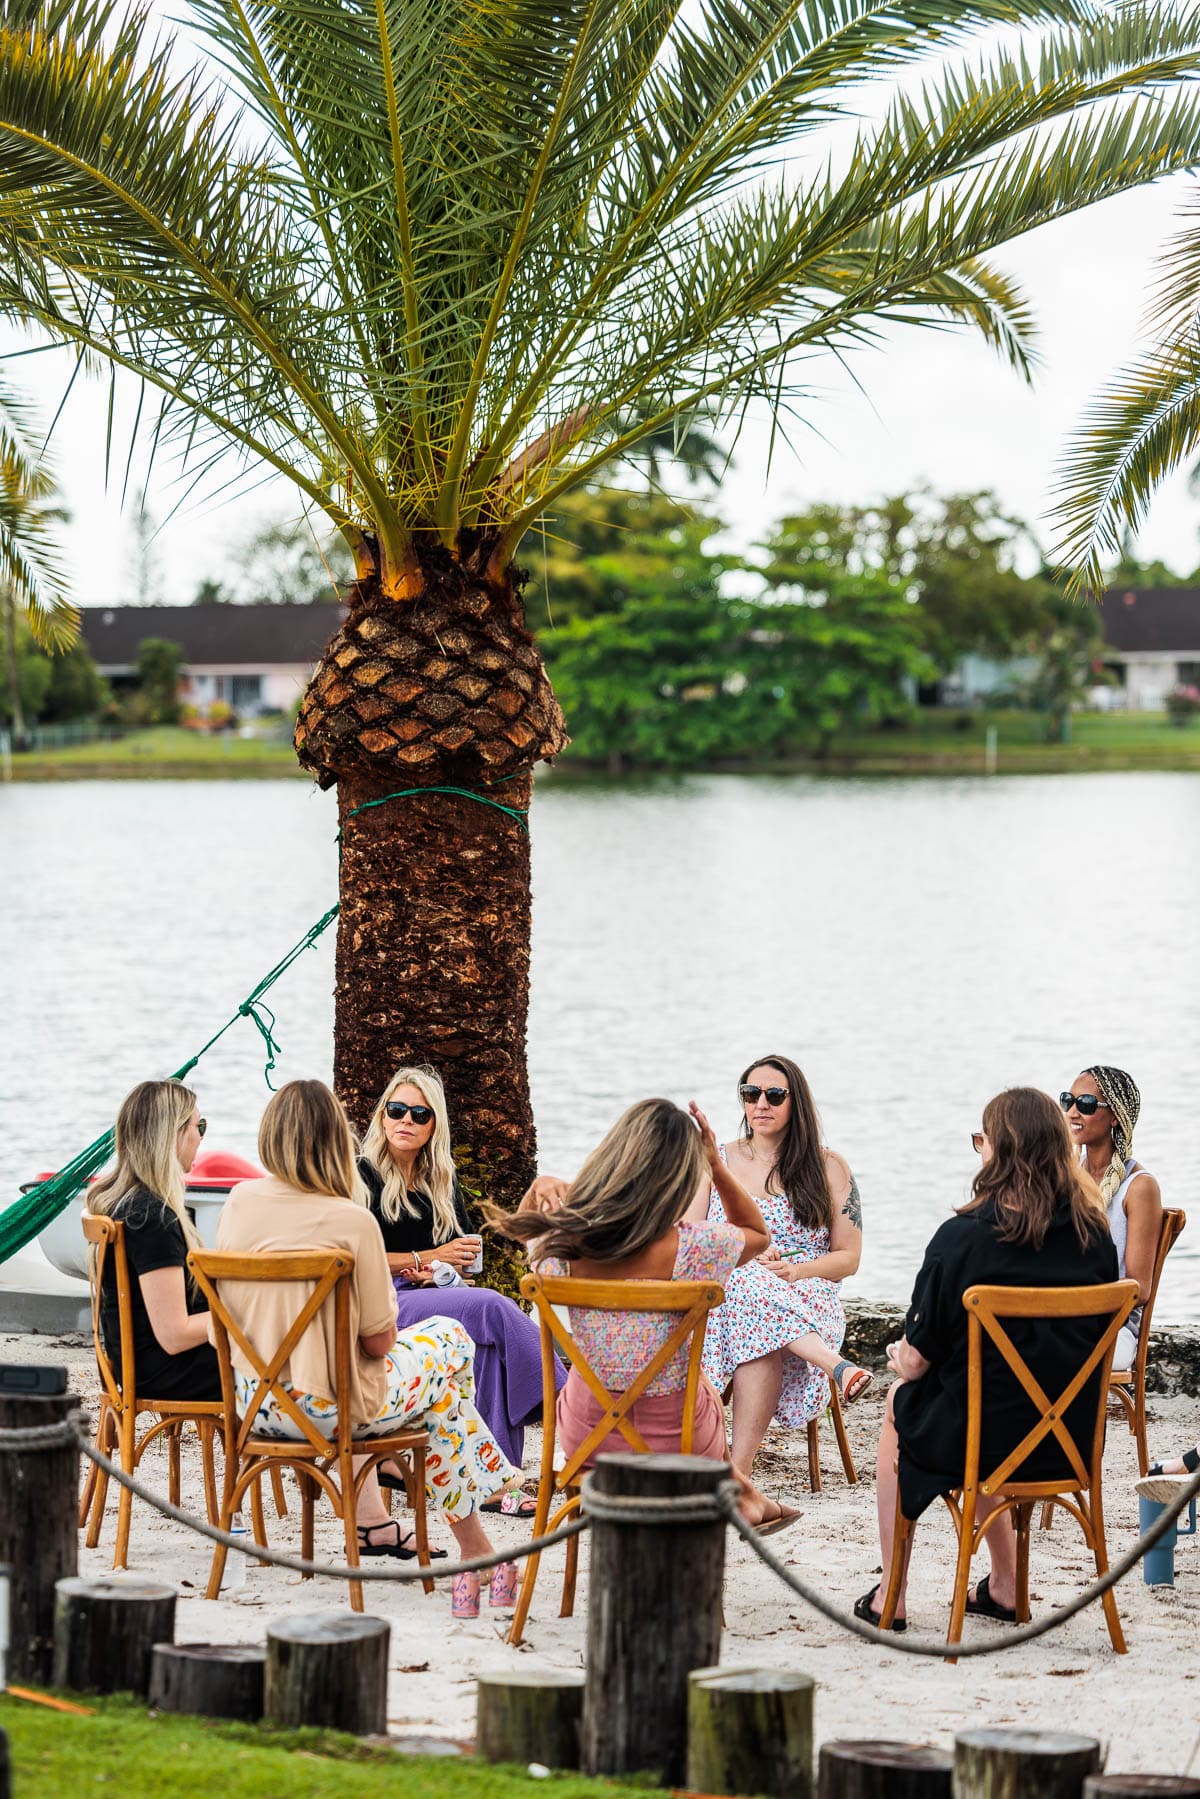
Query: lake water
point(915, 944)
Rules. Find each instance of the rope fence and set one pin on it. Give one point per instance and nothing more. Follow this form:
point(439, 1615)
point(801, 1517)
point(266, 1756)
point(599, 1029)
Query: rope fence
point(611, 1508)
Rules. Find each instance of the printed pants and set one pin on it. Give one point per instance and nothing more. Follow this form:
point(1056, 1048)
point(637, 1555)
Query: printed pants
point(430, 1381)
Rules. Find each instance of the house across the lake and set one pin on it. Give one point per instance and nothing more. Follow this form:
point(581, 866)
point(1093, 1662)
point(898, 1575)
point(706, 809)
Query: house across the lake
point(254, 658)
point(1151, 642)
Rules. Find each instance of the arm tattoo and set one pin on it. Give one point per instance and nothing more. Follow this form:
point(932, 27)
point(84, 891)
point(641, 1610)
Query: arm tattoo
point(853, 1206)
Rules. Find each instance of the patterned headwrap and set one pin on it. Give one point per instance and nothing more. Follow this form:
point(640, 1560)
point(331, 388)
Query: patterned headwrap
point(1120, 1090)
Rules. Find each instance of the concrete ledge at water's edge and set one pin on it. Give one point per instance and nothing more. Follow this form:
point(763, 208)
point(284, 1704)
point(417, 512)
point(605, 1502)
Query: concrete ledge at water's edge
point(1173, 1365)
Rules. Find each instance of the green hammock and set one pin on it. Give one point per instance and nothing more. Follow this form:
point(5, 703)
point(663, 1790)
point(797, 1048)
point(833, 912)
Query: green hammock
point(22, 1221)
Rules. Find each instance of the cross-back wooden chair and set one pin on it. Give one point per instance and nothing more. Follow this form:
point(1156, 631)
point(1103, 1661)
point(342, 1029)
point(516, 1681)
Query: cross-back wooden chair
point(121, 1404)
point(324, 1463)
point(843, 1442)
point(1078, 1491)
point(692, 1301)
point(1128, 1385)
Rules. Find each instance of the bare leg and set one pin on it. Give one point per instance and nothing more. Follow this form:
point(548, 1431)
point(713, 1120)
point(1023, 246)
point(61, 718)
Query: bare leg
point(885, 1504)
point(814, 1349)
point(470, 1536)
point(371, 1509)
point(1001, 1543)
point(755, 1395)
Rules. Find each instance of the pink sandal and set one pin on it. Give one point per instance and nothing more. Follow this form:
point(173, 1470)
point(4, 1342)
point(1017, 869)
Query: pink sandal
point(464, 1601)
point(503, 1586)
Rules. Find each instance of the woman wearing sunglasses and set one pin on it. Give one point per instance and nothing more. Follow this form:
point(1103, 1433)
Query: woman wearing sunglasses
point(1102, 1111)
point(159, 1131)
point(776, 1338)
point(413, 1191)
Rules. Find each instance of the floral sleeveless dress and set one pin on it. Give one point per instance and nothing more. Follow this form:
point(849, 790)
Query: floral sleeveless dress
point(762, 1312)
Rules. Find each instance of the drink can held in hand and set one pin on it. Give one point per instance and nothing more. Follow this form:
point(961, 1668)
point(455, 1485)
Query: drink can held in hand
point(476, 1267)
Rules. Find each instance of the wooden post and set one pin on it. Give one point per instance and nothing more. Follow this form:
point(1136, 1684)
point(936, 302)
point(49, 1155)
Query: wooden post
point(39, 1497)
point(5, 1767)
point(1140, 1786)
point(750, 1730)
point(529, 1716)
point(104, 1631)
point(214, 1680)
point(654, 1614)
point(881, 1770)
point(328, 1669)
point(1022, 1764)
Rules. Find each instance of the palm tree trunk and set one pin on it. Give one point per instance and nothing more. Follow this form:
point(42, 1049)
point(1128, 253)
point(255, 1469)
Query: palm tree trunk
point(12, 667)
point(446, 690)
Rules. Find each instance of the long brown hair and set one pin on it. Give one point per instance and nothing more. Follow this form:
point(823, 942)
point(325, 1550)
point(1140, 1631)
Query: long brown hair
point(799, 1172)
point(305, 1139)
point(1032, 1171)
point(634, 1187)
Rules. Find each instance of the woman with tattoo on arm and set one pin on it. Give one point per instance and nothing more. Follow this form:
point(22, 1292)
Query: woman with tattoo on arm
point(777, 1337)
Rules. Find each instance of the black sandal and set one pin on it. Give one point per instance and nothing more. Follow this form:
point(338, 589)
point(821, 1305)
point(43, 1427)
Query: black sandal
point(862, 1609)
point(984, 1606)
point(398, 1547)
point(1190, 1459)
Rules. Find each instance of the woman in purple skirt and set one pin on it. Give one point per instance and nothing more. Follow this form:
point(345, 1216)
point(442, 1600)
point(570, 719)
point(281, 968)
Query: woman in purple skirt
point(414, 1193)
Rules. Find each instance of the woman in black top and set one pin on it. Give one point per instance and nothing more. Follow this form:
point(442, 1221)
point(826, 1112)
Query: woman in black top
point(414, 1193)
point(1035, 1219)
point(159, 1129)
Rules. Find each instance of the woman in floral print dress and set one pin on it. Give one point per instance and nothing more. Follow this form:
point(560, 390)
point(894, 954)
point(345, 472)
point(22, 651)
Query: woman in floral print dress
point(776, 1338)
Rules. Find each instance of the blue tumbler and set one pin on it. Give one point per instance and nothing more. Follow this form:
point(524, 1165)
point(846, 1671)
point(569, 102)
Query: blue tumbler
point(1158, 1564)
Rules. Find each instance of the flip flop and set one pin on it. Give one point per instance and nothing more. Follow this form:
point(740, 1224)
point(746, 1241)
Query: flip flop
point(984, 1606)
point(512, 1505)
point(862, 1609)
point(769, 1526)
point(854, 1388)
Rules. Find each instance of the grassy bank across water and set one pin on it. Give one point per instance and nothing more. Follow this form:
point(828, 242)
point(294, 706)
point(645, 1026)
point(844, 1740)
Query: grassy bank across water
point(147, 1755)
point(935, 743)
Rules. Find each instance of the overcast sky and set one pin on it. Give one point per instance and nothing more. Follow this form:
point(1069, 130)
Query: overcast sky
point(936, 407)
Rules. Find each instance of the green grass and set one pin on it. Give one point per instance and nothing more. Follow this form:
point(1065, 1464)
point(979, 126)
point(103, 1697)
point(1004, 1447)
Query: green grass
point(127, 1751)
point(936, 742)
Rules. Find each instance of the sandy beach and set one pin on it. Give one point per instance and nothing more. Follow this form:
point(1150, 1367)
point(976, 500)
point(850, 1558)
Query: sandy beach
point(1144, 1707)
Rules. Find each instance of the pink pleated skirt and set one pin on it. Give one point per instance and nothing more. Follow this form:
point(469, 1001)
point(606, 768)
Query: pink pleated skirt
point(658, 1417)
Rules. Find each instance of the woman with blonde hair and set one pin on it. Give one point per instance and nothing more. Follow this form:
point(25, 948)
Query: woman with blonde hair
point(1034, 1219)
point(408, 1169)
point(312, 1198)
point(159, 1130)
point(623, 1218)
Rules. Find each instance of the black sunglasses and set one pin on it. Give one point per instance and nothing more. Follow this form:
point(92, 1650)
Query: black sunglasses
point(1084, 1103)
point(977, 1142)
point(202, 1125)
point(396, 1108)
point(774, 1096)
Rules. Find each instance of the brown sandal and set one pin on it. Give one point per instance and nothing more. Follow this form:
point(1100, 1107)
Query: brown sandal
point(855, 1385)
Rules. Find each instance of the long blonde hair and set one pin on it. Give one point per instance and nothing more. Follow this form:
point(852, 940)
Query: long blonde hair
point(148, 1127)
point(433, 1172)
point(305, 1139)
point(634, 1187)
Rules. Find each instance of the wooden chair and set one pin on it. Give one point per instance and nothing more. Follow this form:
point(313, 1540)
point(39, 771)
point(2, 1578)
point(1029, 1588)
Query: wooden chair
point(692, 1301)
point(1078, 1491)
point(318, 1462)
point(121, 1404)
point(1128, 1385)
point(843, 1443)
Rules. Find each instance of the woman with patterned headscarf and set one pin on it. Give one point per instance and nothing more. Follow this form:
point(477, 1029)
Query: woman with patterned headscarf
point(1102, 1112)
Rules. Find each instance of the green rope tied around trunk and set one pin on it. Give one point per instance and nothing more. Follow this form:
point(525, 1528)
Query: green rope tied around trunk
point(21, 1222)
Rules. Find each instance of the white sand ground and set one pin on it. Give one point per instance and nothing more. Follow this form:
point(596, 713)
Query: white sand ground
point(1145, 1706)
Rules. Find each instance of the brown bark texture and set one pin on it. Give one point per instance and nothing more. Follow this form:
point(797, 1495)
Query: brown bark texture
point(445, 689)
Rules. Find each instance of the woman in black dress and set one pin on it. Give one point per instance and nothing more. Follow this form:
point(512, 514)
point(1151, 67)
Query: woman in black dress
point(413, 1191)
point(1035, 1219)
point(159, 1130)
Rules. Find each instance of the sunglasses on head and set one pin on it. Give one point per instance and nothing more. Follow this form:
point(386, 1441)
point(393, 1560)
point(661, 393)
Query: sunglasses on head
point(774, 1096)
point(396, 1108)
point(1084, 1103)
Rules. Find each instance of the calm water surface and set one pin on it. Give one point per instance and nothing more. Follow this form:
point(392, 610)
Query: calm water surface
point(915, 944)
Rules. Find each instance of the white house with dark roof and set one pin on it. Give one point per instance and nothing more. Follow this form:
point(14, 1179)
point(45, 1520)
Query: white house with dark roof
point(254, 658)
point(1151, 641)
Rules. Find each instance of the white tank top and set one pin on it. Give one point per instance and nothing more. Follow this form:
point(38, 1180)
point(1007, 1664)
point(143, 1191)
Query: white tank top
point(1118, 1224)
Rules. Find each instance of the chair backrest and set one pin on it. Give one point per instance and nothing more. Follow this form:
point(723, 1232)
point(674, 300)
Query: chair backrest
point(1170, 1228)
point(692, 1301)
point(329, 1273)
point(107, 1239)
point(986, 1307)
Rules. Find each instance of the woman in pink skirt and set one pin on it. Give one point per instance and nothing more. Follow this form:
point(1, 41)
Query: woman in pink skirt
point(623, 1219)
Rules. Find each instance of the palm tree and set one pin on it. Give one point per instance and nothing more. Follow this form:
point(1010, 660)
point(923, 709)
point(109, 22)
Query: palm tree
point(31, 574)
point(438, 261)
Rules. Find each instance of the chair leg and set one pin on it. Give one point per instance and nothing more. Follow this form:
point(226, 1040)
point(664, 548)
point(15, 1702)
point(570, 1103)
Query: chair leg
point(1024, 1523)
point(529, 1577)
point(1047, 1514)
point(1099, 1549)
point(814, 1456)
point(350, 1526)
point(415, 1494)
point(207, 1432)
point(308, 1494)
point(257, 1518)
point(174, 1462)
point(570, 1570)
point(902, 1544)
point(89, 1485)
point(280, 1497)
point(128, 1460)
point(839, 1431)
point(962, 1571)
point(1137, 1425)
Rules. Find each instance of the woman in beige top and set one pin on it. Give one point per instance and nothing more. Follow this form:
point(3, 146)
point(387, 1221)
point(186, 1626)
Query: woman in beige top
point(313, 1198)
